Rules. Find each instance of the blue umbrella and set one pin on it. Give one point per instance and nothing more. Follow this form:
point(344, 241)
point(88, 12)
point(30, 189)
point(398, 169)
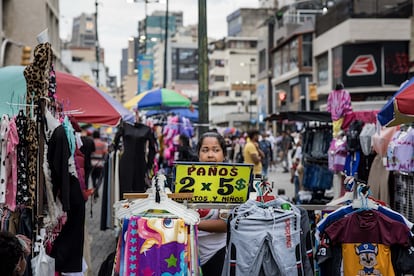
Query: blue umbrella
point(182, 112)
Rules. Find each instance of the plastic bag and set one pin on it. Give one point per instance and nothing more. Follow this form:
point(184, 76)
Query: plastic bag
point(42, 264)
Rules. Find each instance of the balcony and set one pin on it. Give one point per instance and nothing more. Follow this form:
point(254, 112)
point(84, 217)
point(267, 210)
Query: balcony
point(347, 9)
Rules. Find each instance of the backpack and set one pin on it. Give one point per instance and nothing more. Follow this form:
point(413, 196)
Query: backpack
point(239, 156)
point(353, 143)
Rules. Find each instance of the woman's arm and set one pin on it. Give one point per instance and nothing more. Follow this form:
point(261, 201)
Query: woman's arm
point(213, 225)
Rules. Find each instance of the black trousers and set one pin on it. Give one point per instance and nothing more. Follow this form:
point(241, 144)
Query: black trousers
point(214, 266)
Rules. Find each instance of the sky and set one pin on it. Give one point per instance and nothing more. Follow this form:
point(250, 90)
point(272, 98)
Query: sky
point(118, 20)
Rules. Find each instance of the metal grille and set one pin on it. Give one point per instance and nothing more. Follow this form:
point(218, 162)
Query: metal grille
point(404, 194)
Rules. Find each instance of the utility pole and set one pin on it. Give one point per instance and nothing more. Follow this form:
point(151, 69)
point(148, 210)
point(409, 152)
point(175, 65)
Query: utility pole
point(202, 68)
point(97, 50)
point(164, 82)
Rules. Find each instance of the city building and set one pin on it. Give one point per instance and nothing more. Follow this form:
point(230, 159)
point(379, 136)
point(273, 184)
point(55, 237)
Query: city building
point(232, 82)
point(364, 45)
point(84, 31)
point(21, 22)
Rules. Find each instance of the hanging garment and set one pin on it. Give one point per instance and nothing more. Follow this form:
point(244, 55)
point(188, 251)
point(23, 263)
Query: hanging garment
point(12, 142)
point(156, 246)
point(135, 161)
point(378, 180)
point(339, 103)
point(400, 151)
point(365, 239)
point(67, 248)
point(23, 194)
point(365, 138)
point(266, 240)
point(4, 132)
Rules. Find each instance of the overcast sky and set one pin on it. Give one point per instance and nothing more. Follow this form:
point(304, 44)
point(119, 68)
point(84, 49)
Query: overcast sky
point(118, 20)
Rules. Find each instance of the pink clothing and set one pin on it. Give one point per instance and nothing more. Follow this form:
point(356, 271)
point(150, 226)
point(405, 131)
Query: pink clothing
point(11, 184)
point(337, 155)
point(380, 141)
point(4, 130)
point(339, 104)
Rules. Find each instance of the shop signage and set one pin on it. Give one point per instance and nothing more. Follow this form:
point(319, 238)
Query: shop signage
point(213, 182)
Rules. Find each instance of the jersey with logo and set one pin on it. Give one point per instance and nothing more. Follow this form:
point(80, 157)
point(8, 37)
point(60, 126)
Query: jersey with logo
point(366, 237)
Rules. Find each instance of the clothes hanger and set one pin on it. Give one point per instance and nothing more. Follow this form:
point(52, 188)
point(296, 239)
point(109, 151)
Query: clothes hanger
point(158, 200)
point(349, 196)
point(363, 202)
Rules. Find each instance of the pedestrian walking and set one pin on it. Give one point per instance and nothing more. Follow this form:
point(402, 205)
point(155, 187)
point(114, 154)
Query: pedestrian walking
point(252, 153)
point(266, 147)
point(98, 161)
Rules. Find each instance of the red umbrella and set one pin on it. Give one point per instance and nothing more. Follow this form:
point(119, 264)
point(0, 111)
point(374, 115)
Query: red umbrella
point(90, 105)
point(399, 109)
point(87, 103)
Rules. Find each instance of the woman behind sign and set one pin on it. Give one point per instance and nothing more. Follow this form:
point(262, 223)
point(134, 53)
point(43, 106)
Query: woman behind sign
point(212, 235)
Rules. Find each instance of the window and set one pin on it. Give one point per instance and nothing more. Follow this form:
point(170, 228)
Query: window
point(293, 57)
point(307, 50)
point(262, 60)
point(219, 78)
point(322, 64)
point(285, 59)
point(219, 62)
point(238, 94)
point(277, 63)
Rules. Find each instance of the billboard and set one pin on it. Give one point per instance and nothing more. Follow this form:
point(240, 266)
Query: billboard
point(372, 64)
point(145, 72)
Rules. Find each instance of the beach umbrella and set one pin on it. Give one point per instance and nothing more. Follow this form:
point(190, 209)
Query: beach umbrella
point(399, 109)
point(160, 98)
point(86, 103)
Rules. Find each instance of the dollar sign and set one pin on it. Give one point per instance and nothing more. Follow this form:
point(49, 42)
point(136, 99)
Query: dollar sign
point(240, 184)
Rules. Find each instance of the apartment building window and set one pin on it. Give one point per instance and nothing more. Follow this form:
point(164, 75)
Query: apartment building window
point(322, 64)
point(262, 60)
point(277, 64)
point(285, 58)
point(238, 94)
point(219, 62)
point(219, 78)
point(220, 93)
point(293, 54)
point(307, 50)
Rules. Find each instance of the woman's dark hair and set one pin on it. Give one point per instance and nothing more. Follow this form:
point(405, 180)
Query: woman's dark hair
point(184, 138)
point(216, 135)
point(11, 250)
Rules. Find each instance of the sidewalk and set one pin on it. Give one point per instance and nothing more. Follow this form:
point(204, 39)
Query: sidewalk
point(102, 243)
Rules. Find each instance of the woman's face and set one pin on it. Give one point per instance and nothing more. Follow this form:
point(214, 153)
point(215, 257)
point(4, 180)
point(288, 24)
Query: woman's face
point(210, 150)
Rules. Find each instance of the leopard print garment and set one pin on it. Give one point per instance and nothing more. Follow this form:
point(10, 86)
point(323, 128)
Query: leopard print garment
point(37, 74)
point(37, 85)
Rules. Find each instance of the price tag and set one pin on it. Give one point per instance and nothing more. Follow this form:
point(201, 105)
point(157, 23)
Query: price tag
point(214, 182)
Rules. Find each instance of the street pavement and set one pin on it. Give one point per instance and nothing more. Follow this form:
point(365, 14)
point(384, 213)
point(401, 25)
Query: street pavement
point(102, 243)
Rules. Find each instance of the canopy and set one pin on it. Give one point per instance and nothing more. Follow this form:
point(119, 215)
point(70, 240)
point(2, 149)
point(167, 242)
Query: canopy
point(88, 103)
point(192, 115)
point(399, 109)
point(160, 98)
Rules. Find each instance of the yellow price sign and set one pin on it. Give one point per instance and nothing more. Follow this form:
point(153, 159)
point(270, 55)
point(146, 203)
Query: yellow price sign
point(214, 182)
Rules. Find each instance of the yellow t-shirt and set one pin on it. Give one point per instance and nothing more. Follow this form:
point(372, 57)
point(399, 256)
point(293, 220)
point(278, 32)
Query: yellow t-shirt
point(249, 149)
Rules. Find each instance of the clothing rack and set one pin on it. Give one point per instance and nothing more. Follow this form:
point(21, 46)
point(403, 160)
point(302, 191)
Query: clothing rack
point(184, 197)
